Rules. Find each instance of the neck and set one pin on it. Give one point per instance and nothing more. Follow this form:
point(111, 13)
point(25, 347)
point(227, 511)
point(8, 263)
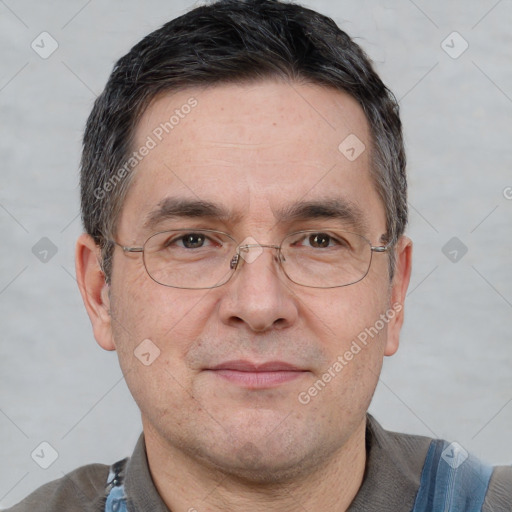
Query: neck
point(187, 484)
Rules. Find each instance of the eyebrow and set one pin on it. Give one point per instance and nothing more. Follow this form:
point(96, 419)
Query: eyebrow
point(335, 209)
point(172, 208)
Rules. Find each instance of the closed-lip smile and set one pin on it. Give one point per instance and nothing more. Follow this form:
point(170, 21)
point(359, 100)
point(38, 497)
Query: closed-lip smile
point(253, 375)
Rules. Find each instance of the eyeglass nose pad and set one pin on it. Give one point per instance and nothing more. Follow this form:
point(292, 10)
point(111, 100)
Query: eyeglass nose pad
point(234, 261)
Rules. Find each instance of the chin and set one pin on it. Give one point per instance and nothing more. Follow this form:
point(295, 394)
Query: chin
point(251, 467)
point(275, 461)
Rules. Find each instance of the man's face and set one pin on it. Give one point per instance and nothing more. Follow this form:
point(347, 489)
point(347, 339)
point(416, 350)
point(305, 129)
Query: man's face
point(254, 150)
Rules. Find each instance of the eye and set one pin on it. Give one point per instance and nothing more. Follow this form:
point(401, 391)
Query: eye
point(188, 241)
point(322, 240)
point(319, 240)
point(193, 240)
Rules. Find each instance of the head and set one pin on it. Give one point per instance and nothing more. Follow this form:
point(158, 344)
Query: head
point(234, 118)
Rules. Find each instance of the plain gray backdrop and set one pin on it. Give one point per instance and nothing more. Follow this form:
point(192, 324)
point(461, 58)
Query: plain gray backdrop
point(449, 64)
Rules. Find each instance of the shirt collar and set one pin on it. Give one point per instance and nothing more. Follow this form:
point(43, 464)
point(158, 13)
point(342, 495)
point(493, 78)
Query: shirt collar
point(393, 470)
point(139, 486)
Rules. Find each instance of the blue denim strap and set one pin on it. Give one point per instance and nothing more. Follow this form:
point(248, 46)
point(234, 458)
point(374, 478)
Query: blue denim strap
point(451, 480)
point(116, 498)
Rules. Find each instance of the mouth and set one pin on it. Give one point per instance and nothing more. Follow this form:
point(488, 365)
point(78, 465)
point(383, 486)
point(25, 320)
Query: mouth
point(252, 375)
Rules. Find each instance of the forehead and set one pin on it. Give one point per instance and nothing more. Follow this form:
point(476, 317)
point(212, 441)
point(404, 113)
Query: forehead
point(252, 148)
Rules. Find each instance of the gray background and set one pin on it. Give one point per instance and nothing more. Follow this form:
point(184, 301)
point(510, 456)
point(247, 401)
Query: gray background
point(452, 376)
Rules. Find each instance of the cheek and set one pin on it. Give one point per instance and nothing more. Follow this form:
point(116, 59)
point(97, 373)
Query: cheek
point(154, 328)
point(145, 314)
point(341, 314)
point(148, 308)
point(349, 326)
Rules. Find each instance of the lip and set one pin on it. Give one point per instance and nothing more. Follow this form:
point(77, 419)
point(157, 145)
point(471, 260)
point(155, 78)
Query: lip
point(242, 365)
point(254, 375)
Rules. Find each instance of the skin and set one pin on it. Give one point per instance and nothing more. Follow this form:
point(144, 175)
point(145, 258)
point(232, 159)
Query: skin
point(213, 444)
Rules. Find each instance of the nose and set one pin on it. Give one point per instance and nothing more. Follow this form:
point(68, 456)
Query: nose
point(259, 295)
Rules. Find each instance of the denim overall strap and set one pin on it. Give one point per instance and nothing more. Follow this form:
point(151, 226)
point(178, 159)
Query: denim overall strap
point(116, 499)
point(451, 480)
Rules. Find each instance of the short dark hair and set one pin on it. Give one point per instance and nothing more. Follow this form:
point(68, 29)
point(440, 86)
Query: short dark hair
point(233, 41)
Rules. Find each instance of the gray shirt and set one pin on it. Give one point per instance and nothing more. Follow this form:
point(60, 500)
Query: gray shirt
point(392, 477)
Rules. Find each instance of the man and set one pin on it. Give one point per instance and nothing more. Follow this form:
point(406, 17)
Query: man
point(244, 202)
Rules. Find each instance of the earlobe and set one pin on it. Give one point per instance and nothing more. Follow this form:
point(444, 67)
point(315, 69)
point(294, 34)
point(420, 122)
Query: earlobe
point(94, 290)
point(399, 287)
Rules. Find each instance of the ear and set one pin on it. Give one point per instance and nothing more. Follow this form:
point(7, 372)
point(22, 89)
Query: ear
point(399, 285)
point(94, 289)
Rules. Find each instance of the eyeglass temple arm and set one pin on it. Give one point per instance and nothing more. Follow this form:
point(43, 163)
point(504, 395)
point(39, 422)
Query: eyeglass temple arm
point(133, 249)
point(382, 248)
point(127, 249)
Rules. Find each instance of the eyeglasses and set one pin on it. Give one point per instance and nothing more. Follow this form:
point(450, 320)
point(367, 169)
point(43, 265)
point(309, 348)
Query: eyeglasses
point(205, 258)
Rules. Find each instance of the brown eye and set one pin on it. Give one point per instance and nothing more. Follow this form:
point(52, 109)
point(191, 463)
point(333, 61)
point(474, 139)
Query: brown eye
point(319, 240)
